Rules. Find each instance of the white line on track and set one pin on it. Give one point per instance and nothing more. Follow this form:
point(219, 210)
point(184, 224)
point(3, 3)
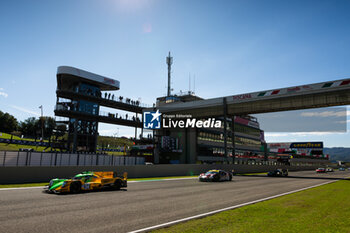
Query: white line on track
point(224, 209)
point(132, 181)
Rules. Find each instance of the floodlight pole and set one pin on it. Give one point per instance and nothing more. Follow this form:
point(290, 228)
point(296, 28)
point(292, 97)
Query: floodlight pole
point(42, 123)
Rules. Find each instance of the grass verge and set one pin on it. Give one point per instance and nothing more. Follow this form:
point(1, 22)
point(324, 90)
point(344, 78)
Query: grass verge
point(16, 147)
point(322, 209)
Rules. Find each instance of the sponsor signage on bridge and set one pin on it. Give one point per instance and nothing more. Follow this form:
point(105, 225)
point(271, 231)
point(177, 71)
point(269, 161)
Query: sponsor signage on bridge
point(296, 145)
point(318, 145)
point(291, 90)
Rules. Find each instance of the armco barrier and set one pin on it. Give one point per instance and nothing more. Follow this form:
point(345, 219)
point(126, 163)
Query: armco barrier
point(18, 159)
point(12, 175)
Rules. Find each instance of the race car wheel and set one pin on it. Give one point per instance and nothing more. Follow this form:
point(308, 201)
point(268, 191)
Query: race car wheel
point(117, 184)
point(75, 187)
point(216, 178)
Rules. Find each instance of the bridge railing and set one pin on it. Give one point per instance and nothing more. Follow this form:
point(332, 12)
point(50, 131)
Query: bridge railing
point(27, 158)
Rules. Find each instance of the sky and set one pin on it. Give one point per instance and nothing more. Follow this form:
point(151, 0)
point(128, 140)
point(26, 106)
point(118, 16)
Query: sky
point(230, 47)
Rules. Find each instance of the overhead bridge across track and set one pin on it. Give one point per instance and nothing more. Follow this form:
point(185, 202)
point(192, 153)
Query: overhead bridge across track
point(104, 119)
point(318, 95)
point(101, 101)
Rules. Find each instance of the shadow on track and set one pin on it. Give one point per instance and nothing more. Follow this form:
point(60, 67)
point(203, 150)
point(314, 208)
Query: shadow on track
point(88, 191)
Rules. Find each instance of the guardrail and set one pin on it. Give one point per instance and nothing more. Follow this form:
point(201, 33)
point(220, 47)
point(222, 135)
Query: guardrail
point(29, 174)
point(27, 158)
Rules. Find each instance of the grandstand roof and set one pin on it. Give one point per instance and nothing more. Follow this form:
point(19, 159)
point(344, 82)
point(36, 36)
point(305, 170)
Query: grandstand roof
point(66, 75)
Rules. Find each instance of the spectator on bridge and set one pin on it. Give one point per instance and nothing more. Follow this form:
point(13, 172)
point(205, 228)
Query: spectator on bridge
point(113, 97)
point(121, 98)
point(105, 95)
point(109, 95)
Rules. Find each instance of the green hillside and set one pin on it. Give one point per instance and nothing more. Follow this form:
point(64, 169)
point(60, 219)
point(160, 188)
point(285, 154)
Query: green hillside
point(102, 142)
point(338, 153)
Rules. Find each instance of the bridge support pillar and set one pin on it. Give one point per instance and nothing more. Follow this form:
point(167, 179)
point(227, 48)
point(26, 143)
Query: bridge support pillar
point(225, 128)
point(233, 138)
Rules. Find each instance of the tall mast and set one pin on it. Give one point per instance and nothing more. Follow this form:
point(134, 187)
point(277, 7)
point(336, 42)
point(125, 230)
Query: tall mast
point(169, 62)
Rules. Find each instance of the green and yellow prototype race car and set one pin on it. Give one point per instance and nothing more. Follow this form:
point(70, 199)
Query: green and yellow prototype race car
point(87, 181)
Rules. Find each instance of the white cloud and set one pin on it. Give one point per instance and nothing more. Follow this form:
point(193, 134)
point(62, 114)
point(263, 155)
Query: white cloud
point(325, 114)
point(2, 93)
point(343, 122)
point(301, 134)
point(24, 110)
point(107, 131)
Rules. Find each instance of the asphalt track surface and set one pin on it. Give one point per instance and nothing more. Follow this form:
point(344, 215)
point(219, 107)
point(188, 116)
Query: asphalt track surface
point(143, 204)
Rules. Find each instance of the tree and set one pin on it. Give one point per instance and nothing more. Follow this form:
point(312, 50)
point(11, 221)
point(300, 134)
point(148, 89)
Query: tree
point(29, 127)
point(49, 126)
point(8, 123)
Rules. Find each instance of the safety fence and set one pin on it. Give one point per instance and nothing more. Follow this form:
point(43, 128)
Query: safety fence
point(27, 158)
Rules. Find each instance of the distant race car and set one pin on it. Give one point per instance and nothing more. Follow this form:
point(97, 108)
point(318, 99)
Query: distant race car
point(278, 172)
point(342, 169)
point(215, 176)
point(329, 169)
point(321, 170)
point(87, 181)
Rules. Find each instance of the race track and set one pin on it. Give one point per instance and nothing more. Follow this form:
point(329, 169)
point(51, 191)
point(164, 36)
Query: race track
point(143, 204)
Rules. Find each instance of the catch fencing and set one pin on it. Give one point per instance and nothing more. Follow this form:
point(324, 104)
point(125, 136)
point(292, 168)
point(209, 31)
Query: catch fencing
point(27, 158)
